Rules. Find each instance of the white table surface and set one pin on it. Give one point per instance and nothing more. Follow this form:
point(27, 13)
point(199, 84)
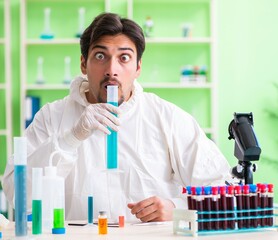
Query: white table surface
point(136, 232)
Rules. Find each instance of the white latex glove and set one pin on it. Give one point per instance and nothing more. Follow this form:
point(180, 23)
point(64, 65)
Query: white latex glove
point(96, 117)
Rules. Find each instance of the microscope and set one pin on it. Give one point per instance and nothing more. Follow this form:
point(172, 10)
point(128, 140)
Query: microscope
point(247, 148)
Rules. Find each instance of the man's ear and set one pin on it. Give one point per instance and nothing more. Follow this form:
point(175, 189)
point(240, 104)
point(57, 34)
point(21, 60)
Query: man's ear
point(83, 65)
point(138, 71)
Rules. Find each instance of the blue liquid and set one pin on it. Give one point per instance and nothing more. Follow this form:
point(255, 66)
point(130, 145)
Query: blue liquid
point(90, 209)
point(20, 200)
point(112, 147)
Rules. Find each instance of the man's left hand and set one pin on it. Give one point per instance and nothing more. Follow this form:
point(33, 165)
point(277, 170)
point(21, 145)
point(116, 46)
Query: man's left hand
point(153, 209)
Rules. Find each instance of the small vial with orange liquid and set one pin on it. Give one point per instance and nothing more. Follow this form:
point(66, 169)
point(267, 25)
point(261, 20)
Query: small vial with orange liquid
point(102, 223)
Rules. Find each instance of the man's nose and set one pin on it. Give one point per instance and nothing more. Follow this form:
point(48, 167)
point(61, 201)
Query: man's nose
point(112, 68)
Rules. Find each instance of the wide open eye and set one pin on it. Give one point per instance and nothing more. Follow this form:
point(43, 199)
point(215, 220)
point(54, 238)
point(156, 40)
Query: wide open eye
point(99, 56)
point(125, 58)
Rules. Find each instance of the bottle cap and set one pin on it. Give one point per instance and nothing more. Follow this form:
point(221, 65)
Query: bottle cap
point(231, 190)
point(198, 190)
point(58, 230)
point(183, 190)
point(188, 189)
point(245, 189)
point(223, 190)
point(214, 190)
point(263, 188)
point(207, 190)
point(270, 188)
point(253, 188)
point(193, 190)
point(238, 189)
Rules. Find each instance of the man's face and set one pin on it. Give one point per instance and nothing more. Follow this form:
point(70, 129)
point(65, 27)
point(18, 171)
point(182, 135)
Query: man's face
point(111, 61)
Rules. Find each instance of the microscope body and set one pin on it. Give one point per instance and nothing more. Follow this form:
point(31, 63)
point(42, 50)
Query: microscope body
point(247, 148)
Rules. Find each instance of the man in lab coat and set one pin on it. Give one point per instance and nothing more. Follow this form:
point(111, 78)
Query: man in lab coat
point(161, 148)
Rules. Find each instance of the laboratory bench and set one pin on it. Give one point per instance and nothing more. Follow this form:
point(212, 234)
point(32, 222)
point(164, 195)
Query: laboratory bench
point(163, 230)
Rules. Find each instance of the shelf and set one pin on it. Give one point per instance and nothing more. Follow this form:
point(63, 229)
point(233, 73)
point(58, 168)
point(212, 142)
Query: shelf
point(54, 41)
point(48, 87)
point(148, 40)
point(179, 40)
point(3, 86)
point(3, 132)
point(176, 85)
point(144, 85)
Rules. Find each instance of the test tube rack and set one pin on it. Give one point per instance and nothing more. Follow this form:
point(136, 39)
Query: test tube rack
point(185, 222)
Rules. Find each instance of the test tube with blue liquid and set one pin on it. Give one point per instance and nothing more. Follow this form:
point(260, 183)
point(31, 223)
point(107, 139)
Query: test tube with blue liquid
point(112, 139)
point(20, 161)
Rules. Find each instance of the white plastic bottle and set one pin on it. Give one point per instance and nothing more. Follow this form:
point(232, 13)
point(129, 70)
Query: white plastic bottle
point(53, 201)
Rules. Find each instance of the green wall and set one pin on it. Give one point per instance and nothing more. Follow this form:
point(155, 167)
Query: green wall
point(247, 38)
point(247, 63)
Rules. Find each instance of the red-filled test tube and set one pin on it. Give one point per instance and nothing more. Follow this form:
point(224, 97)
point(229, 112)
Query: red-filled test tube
point(193, 198)
point(238, 194)
point(189, 200)
point(263, 200)
point(207, 207)
point(269, 221)
point(215, 207)
point(230, 206)
point(254, 205)
point(223, 207)
point(246, 205)
point(199, 207)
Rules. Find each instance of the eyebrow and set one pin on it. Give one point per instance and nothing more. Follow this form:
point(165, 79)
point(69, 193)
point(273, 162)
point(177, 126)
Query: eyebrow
point(121, 48)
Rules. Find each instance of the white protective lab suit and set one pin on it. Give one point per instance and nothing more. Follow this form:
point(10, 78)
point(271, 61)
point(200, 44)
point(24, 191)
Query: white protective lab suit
point(160, 149)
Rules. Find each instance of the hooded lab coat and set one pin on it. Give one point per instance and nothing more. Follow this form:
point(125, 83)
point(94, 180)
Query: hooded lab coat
point(160, 149)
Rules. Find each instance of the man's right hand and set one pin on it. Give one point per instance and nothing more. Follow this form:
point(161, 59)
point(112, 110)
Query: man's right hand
point(96, 117)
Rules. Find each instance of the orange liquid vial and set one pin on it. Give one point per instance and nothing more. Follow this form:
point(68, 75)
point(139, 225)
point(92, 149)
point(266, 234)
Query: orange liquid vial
point(102, 223)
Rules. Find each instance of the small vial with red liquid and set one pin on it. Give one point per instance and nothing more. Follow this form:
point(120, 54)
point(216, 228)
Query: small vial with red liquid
point(230, 206)
point(270, 194)
point(246, 206)
point(238, 195)
point(199, 207)
point(215, 207)
point(223, 207)
point(207, 207)
point(193, 198)
point(189, 200)
point(263, 200)
point(254, 205)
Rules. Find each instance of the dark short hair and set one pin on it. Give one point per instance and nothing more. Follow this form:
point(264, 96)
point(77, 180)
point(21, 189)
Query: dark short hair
point(112, 24)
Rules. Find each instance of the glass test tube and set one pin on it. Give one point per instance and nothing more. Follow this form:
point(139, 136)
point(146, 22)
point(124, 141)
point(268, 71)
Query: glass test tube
point(246, 206)
point(254, 204)
point(223, 207)
point(263, 200)
point(112, 139)
point(199, 207)
point(20, 161)
point(270, 194)
point(238, 194)
point(90, 209)
point(189, 201)
point(37, 200)
point(207, 207)
point(230, 206)
point(215, 207)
